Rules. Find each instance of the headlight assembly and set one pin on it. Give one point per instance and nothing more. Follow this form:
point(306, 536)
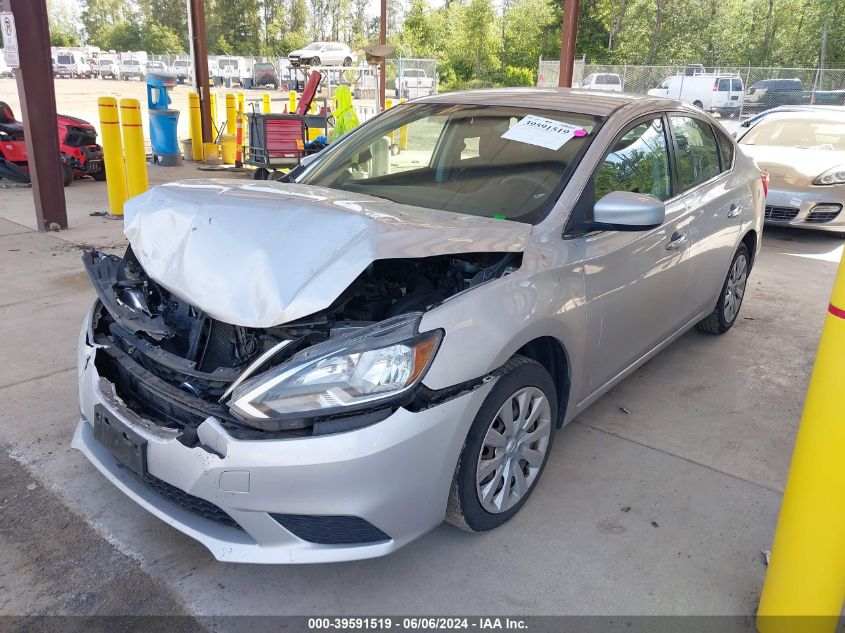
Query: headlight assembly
point(357, 371)
point(835, 176)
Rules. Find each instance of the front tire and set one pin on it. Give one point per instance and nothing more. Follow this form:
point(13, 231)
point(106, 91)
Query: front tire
point(315, 61)
point(506, 449)
point(347, 62)
point(730, 300)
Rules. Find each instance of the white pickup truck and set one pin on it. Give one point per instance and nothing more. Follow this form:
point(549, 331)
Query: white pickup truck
point(413, 82)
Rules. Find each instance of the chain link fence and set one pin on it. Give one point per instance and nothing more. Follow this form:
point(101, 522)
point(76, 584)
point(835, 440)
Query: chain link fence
point(641, 79)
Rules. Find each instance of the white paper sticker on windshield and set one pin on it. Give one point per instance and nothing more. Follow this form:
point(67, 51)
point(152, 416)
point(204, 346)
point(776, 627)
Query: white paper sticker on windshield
point(548, 133)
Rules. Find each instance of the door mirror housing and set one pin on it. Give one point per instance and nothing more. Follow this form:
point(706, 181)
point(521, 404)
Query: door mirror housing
point(628, 211)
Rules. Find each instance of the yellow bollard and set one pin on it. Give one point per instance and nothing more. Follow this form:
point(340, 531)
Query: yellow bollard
point(265, 103)
point(403, 133)
point(112, 154)
point(196, 125)
point(231, 113)
point(133, 146)
point(388, 103)
point(806, 574)
point(212, 104)
point(292, 102)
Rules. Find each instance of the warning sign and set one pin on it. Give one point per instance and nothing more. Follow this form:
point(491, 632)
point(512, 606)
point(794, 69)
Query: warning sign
point(10, 39)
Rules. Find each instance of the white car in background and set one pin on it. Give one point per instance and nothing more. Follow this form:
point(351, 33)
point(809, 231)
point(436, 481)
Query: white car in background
point(323, 54)
point(132, 69)
point(602, 81)
point(155, 66)
point(803, 150)
point(183, 69)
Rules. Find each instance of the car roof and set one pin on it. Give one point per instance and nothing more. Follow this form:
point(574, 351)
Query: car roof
point(562, 99)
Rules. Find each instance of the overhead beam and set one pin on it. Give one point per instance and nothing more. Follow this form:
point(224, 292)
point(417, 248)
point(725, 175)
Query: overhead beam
point(38, 111)
point(568, 35)
point(199, 48)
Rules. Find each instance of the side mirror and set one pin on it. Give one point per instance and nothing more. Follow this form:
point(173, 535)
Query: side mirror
point(628, 211)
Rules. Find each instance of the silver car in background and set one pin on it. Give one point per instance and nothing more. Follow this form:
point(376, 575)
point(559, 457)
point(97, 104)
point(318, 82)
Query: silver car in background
point(803, 150)
point(324, 369)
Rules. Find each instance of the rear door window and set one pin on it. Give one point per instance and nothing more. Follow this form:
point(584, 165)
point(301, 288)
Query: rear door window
point(698, 153)
point(724, 85)
point(736, 85)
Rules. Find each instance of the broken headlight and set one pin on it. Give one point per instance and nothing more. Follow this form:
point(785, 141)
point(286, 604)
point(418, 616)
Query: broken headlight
point(356, 371)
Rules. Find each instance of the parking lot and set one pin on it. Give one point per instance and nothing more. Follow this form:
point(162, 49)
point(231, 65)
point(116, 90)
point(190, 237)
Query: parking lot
point(659, 499)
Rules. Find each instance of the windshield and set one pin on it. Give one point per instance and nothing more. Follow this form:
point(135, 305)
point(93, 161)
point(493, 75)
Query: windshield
point(796, 132)
point(181, 63)
point(65, 59)
point(264, 68)
point(490, 161)
point(313, 47)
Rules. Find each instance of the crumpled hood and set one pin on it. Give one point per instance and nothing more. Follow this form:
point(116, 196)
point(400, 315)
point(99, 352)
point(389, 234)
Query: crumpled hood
point(793, 165)
point(263, 254)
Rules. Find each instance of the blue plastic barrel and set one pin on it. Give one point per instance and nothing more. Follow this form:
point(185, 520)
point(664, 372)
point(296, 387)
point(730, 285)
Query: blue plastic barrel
point(163, 131)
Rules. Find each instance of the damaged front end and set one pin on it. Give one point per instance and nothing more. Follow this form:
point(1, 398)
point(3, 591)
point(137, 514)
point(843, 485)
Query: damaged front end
point(341, 368)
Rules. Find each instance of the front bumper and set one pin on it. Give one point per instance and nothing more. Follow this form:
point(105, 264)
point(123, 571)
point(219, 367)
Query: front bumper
point(395, 475)
point(800, 208)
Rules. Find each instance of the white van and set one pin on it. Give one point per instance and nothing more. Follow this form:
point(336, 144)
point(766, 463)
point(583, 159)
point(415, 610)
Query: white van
point(72, 64)
point(724, 94)
point(231, 69)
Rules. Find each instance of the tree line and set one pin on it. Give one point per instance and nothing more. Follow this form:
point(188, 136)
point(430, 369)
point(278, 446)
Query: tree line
point(479, 42)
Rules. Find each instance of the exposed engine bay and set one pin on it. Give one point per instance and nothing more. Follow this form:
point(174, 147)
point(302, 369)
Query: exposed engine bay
point(174, 364)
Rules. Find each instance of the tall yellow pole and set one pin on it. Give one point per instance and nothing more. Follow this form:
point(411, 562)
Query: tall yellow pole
point(265, 103)
point(231, 113)
point(196, 125)
point(806, 574)
point(133, 145)
point(112, 154)
point(403, 133)
point(292, 102)
point(213, 105)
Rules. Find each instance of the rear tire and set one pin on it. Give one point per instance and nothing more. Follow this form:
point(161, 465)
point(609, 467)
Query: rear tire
point(260, 174)
point(730, 300)
point(517, 418)
point(99, 176)
point(698, 104)
point(67, 174)
point(347, 62)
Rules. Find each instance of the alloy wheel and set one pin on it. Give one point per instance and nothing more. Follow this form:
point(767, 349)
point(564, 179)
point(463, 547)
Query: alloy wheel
point(735, 288)
point(513, 450)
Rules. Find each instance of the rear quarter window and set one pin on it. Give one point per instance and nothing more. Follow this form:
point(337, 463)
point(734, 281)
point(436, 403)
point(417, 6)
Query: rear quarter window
point(726, 150)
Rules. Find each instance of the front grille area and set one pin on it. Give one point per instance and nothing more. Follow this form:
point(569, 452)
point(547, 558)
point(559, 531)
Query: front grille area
point(331, 529)
point(189, 503)
point(828, 214)
point(781, 214)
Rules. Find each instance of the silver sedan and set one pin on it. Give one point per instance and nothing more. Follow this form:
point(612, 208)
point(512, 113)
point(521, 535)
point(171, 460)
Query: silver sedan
point(324, 369)
point(804, 153)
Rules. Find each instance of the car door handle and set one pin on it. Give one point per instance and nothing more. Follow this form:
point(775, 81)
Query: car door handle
point(676, 241)
point(734, 211)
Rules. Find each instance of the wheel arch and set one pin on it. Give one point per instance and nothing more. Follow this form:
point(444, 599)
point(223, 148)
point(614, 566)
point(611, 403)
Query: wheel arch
point(750, 241)
point(552, 355)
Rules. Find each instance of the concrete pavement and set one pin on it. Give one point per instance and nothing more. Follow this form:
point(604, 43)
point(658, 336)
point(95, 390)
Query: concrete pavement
point(660, 508)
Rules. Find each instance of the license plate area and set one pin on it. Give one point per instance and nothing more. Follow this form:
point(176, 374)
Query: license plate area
point(126, 445)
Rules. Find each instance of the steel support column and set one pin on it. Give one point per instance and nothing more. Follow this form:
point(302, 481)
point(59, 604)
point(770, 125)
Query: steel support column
point(199, 46)
point(382, 39)
point(38, 111)
point(568, 35)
